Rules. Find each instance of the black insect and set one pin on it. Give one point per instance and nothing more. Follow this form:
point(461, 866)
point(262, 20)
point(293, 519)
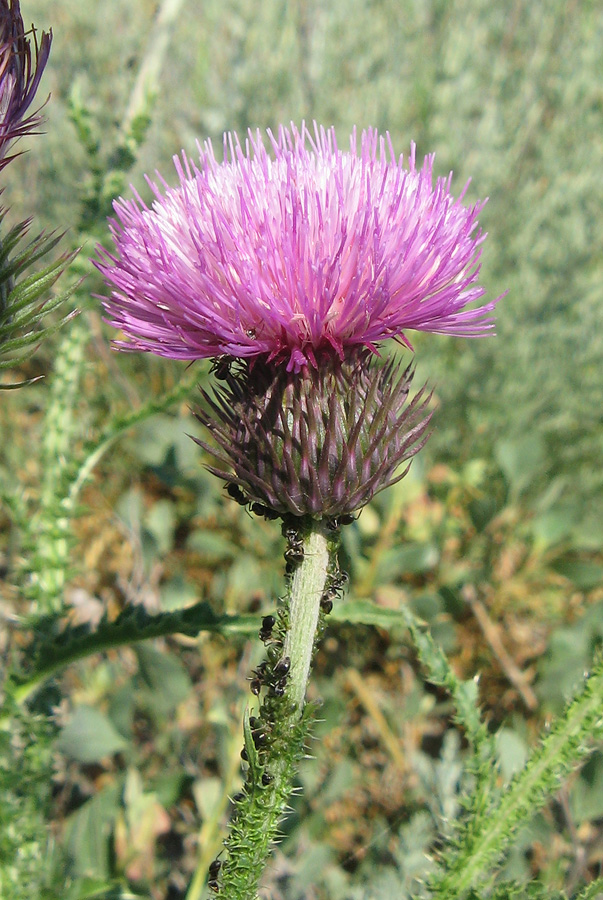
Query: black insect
point(256, 686)
point(233, 490)
point(259, 509)
point(267, 778)
point(291, 533)
point(265, 632)
point(294, 554)
point(281, 669)
point(268, 623)
point(220, 367)
point(214, 869)
point(213, 885)
point(259, 738)
point(326, 604)
point(339, 580)
point(335, 523)
point(278, 689)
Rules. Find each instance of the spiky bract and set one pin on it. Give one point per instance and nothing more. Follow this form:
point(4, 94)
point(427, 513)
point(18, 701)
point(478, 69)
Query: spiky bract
point(318, 443)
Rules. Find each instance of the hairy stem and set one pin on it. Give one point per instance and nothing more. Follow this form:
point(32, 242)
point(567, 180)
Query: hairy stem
point(275, 737)
point(490, 828)
point(307, 586)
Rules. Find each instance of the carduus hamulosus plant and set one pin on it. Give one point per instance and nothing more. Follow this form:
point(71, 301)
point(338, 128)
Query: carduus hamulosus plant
point(289, 264)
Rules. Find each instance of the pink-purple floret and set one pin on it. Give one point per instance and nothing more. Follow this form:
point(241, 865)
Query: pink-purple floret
point(294, 251)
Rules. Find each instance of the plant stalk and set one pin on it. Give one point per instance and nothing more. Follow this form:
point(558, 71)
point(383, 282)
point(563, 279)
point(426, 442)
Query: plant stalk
point(308, 584)
point(490, 829)
point(275, 737)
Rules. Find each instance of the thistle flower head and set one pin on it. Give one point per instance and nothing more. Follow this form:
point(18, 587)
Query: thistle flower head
point(288, 263)
point(21, 68)
point(294, 252)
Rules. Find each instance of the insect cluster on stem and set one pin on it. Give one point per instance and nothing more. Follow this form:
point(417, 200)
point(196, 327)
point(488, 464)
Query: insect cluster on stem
point(335, 584)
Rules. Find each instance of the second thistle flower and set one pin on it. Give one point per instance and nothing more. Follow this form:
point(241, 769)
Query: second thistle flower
point(21, 66)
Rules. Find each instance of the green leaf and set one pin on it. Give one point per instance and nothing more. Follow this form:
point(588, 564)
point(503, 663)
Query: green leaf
point(594, 891)
point(584, 574)
point(512, 752)
point(520, 460)
point(365, 612)
point(90, 736)
point(96, 889)
point(587, 793)
point(160, 522)
point(165, 676)
point(215, 546)
point(482, 511)
point(409, 559)
point(88, 834)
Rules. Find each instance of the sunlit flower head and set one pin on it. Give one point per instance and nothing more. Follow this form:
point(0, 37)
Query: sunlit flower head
point(292, 249)
point(21, 68)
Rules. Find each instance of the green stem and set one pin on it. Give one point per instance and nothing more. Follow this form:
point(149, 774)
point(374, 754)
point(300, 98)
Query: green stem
point(275, 743)
point(307, 586)
point(593, 891)
point(490, 829)
point(149, 74)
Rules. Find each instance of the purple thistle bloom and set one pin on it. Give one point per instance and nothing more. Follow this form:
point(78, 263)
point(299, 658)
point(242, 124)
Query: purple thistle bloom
point(20, 74)
point(299, 254)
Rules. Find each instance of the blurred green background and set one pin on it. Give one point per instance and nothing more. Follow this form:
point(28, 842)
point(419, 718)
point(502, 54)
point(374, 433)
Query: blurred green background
point(505, 500)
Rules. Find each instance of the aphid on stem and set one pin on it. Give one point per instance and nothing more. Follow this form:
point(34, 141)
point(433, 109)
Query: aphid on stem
point(281, 669)
point(326, 604)
point(278, 689)
point(265, 632)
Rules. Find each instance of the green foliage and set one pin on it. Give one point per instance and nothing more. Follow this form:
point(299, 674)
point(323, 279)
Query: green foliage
point(25, 300)
point(89, 736)
point(29, 858)
point(489, 828)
